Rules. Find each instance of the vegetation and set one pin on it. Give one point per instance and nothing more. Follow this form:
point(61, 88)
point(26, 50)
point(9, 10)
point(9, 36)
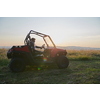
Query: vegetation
point(84, 68)
point(3, 59)
point(84, 54)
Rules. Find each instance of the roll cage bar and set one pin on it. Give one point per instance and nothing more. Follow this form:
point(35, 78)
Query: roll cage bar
point(39, 34)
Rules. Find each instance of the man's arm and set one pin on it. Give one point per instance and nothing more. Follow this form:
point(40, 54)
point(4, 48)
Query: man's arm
point(38, 47)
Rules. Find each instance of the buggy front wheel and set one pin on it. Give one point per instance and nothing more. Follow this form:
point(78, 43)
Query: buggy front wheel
point(62, 62)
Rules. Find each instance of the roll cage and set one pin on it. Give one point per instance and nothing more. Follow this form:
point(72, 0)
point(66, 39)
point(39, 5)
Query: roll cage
point(28, 37)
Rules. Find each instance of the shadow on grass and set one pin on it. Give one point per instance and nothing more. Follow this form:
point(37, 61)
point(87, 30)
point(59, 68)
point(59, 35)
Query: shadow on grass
point(35, 75)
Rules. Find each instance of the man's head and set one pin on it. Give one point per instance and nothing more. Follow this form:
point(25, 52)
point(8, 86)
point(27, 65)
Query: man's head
point(33, 39)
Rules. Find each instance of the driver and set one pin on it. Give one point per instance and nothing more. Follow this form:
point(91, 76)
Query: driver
point(32, 45)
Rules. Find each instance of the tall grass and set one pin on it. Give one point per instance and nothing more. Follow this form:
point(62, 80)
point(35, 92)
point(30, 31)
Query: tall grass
point(83, 54)
point(72, 55)
point(3, 58)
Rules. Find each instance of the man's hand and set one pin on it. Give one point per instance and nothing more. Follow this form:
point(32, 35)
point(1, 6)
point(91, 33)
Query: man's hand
point(43, 46)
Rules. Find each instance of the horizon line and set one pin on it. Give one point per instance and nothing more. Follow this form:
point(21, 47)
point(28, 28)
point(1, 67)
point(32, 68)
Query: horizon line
point(59, 46)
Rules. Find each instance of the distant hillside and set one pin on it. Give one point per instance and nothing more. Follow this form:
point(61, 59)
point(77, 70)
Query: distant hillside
point(65, 47)
point(6, 47)
point(78, 48)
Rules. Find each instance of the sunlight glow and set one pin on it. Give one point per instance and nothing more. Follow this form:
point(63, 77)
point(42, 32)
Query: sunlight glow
point(58, 41)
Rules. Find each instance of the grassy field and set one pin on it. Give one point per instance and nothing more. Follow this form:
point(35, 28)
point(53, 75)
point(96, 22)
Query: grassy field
point(84, 68)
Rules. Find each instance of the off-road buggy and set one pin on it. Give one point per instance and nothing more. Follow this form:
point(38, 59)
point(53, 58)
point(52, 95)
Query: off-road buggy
point(21, 56)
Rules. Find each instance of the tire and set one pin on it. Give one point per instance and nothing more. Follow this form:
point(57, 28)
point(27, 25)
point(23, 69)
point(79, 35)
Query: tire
point(17, 65)
point(62, 62)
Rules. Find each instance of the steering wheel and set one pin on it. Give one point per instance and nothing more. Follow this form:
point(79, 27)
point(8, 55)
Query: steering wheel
point(43, 46)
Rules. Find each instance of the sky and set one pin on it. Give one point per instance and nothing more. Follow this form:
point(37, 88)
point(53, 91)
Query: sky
point(64, 31)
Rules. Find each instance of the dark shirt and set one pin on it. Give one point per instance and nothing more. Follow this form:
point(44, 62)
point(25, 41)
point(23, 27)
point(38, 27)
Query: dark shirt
point(32, 44)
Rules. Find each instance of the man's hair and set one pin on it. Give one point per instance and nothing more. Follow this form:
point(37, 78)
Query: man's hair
point(33, 39)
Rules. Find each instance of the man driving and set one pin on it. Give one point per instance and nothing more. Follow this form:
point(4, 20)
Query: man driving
point(32, 45)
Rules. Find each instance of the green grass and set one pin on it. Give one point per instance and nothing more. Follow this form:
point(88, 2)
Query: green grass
point(84, 68)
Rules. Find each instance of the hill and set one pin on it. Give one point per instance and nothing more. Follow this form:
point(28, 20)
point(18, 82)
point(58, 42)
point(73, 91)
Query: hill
point(5, 47)
point(77, 48)
point(64, 47)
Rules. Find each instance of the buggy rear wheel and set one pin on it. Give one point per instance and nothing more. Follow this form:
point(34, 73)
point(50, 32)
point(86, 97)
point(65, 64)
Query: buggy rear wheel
point(17, 65)
point(62, 62)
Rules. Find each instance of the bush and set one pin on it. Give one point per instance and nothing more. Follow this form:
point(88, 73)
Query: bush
point(84, 58)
